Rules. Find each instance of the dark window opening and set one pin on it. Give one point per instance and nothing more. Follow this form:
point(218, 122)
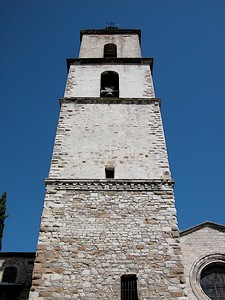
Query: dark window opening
point(9, 274)
point(109, 172)
point(213, 281)
point(129, 287)
point(110, 50)
point(109, 84)
point(9, 295)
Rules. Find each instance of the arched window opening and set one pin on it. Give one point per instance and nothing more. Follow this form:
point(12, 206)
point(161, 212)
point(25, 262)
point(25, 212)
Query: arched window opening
point(109, 84)
point(9, 274)
point(110, 50)
point(213, 281)
point(129, 287)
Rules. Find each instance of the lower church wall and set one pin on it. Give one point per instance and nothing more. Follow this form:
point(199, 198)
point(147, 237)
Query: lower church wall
point(15, 275)
point(203, 247)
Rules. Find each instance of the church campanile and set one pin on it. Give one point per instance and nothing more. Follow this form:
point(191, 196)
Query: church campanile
point(109, 227)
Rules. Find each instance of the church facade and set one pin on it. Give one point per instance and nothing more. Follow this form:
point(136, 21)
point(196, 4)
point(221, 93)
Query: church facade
point(109, 226)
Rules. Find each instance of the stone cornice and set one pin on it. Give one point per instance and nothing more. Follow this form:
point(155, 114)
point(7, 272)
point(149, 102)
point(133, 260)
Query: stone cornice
point(109, 60)
point(110, 31)
point(111, 184)
point(91, 100)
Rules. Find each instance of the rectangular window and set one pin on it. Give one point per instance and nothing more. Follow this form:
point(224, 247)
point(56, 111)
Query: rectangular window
point(109, 172)
point(129, 287)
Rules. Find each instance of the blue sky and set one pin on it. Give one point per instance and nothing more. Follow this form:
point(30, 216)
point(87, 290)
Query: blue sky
point(186, 40)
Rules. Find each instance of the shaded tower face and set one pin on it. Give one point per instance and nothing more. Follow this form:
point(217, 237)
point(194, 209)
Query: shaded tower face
point(108, 228)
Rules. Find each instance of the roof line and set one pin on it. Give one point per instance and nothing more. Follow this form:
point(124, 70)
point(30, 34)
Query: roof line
point(202, 225)
point(20, 254)
point(110, 31)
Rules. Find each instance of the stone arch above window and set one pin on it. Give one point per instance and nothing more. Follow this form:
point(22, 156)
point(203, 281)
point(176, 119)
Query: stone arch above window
point(110, 50)
point(9, 274)
point(109, 84)
point(207, 277)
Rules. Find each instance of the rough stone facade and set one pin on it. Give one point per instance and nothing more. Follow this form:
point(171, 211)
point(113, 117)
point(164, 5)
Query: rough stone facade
point(96, 229)
point(89, 237)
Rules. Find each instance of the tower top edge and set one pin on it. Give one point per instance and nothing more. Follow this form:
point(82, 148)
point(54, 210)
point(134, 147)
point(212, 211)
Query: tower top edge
point(110, 31)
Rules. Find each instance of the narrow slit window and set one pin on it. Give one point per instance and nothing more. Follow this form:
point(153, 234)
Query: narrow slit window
point(110, 50)
point(109, 84)
point(129, 287)
point(109, 172)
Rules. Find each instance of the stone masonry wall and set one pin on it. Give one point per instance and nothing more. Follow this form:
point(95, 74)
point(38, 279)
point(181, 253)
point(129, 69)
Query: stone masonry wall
point(93, 134)
point(92, 46)
point(135, 81)
point(93, 232)
point(197, 245)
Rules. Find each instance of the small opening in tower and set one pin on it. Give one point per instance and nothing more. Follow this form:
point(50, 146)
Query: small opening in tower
point(129, 287)
point(109, 84)
point(109, 172)
point(9, 274)
point(110, 50)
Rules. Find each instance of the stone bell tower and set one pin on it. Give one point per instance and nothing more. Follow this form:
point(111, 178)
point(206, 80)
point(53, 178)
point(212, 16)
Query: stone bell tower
point(109, 227)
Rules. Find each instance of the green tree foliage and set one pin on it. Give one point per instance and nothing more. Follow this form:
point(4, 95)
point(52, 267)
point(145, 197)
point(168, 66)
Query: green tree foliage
point(2, 216)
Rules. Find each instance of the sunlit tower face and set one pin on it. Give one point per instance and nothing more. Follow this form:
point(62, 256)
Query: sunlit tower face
point(109, 228)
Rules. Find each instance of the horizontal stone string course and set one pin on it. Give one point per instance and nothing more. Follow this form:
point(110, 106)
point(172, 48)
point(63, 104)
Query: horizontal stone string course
point(111, 185)
point(90, 100)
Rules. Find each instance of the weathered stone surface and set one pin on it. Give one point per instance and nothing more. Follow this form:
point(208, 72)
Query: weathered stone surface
point(104, 235)
point(176, 294)
point(45, 294)
point(86, 124)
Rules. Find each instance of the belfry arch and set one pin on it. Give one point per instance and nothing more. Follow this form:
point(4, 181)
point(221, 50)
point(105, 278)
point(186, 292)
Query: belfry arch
point(109, 84)
point(110, 50)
